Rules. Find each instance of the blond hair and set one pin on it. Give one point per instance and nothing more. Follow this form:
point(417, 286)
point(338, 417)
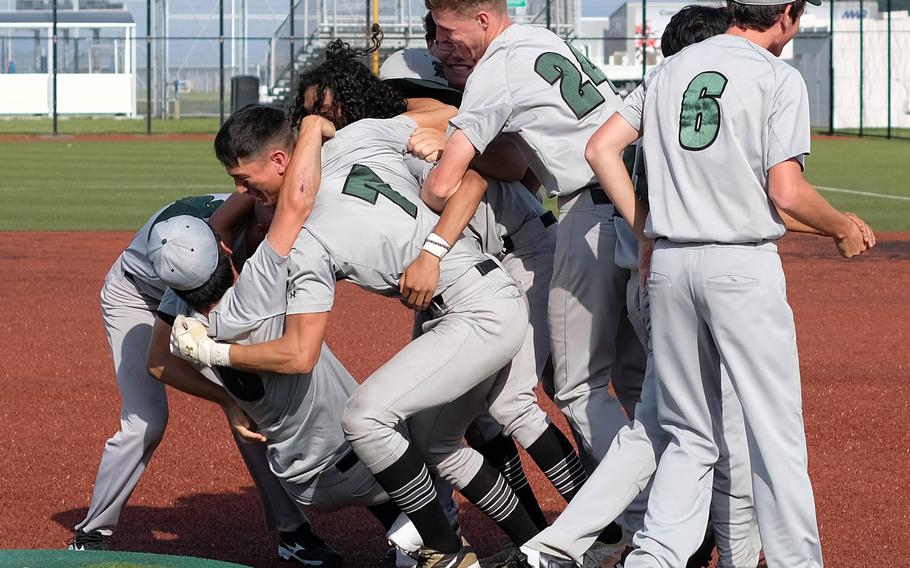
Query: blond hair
point(462, 7)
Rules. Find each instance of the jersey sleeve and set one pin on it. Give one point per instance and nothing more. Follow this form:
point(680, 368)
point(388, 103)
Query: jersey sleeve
point(170, 307)
point(258, 294)
point(311, 281)
point(788, 121)
point(633, 106)
point(487, 104)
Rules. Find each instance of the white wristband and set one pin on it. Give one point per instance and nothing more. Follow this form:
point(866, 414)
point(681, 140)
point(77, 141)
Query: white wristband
point(435, 249)
point(436, 245)
point(221, 354)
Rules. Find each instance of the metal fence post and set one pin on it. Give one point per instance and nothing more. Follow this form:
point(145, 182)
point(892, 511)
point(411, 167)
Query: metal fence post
point(148, 67)
point(644, 38)
point(831, 68)
point(293, 48)
point(861, 64)
point(221, 61)
point(54, 70)
point(889, 69)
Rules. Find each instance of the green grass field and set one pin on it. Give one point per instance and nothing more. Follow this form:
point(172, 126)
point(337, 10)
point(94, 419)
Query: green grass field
point(69, 184)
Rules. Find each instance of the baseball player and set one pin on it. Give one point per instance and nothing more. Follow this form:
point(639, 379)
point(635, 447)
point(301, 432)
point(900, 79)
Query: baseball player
point(130, 295)
point(547, 446)
point(437, 379)
point(632, 458)
point(716, 287)
point(528, 81)
point(512, 225)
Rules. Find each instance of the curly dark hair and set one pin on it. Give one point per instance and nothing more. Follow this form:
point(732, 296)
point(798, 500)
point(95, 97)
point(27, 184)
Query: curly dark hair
point(356, 93)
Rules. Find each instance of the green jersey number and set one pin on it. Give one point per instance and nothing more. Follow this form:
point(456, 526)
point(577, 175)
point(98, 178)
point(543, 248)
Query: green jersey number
point(363, 183)
point(581, 96)
point(699, 120)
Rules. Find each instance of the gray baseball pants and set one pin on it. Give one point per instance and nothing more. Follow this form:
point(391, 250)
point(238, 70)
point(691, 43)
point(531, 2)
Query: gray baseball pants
point(128, 317)
point(619, 484)
point(591, 340)
point(724, 307)
point(481, 324)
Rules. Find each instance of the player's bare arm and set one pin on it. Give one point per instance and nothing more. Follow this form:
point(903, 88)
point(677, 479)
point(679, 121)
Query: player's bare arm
point(179, 374)
point(793, 195)
point(444, 180)
point(295, 352)
point(604, 154)
point(419, 281)
point(300, 183)
point(430, 113)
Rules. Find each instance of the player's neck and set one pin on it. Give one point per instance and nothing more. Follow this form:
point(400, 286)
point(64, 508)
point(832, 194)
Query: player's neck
point(766, 39)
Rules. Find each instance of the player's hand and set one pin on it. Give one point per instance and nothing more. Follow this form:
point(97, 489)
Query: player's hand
point(242, 425)
point(419, 281)
point(427, 144)
point(190, 341)
point(868, 235)
point(852, 243)
point(645, 250)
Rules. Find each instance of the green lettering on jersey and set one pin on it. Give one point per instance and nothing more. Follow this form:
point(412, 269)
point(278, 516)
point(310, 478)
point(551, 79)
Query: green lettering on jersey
point(363, 183)
point(699, 120)
point(581, 96)
point(199, 206)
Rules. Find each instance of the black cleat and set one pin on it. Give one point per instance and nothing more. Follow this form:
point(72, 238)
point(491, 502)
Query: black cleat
point(93, 540)
point(305, 547)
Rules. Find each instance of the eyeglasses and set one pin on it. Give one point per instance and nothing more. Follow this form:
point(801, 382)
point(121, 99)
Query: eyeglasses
point(443, 45)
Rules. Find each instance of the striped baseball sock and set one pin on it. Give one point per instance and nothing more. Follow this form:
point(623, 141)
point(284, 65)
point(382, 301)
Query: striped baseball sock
point(408, 483)
point(490, 492)
point(502, 453)
point(556, 457)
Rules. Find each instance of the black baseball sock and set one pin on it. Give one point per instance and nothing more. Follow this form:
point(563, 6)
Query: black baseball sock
point(502, 453)
point(408, 483)
point(385, 513)
point(556, 457)
point(491, 494)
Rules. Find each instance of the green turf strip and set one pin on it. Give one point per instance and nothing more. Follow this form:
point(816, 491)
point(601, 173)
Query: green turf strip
point(68, 184)
point(107, 559)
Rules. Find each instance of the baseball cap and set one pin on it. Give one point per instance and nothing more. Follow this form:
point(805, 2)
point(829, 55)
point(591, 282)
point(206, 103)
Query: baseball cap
point(416, 73)
point(183, 251)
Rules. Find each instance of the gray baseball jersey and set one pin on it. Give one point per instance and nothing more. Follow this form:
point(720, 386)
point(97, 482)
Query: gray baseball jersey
point(300, 415)
point(531, 82)
point(135, 257)
point(367, 192)
point(736, 121)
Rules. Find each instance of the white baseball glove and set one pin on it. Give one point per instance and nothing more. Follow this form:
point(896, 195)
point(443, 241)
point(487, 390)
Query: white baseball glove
point(190, 341)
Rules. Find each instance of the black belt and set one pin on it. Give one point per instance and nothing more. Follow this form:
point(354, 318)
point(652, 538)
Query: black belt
point(547, 218)
point(346, 462)
point(598, 195)
point(484, 268)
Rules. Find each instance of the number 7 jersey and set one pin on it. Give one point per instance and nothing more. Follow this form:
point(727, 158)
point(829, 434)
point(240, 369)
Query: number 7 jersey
point(714, 119)
point(531, 82)
point(368, 223)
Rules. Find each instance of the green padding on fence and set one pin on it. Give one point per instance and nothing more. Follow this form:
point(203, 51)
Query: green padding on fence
point(91, 559)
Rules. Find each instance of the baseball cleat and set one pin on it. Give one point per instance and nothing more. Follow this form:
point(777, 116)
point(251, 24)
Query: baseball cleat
point(305, 547)
point(93, 540)
point(534, 558)
point(605, 555)
point(464, 558)
point(500, 558)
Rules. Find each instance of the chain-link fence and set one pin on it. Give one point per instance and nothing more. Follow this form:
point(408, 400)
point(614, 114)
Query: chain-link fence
point(182, 65)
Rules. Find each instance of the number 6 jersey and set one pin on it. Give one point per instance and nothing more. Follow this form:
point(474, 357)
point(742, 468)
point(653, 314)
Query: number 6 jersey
point(531, 82)
point(714, 119)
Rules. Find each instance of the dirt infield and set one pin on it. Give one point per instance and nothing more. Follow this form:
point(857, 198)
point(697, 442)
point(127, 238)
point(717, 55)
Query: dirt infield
point(60, 404)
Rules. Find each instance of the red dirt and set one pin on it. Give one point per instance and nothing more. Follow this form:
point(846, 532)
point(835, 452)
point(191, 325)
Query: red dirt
point(61, 404)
